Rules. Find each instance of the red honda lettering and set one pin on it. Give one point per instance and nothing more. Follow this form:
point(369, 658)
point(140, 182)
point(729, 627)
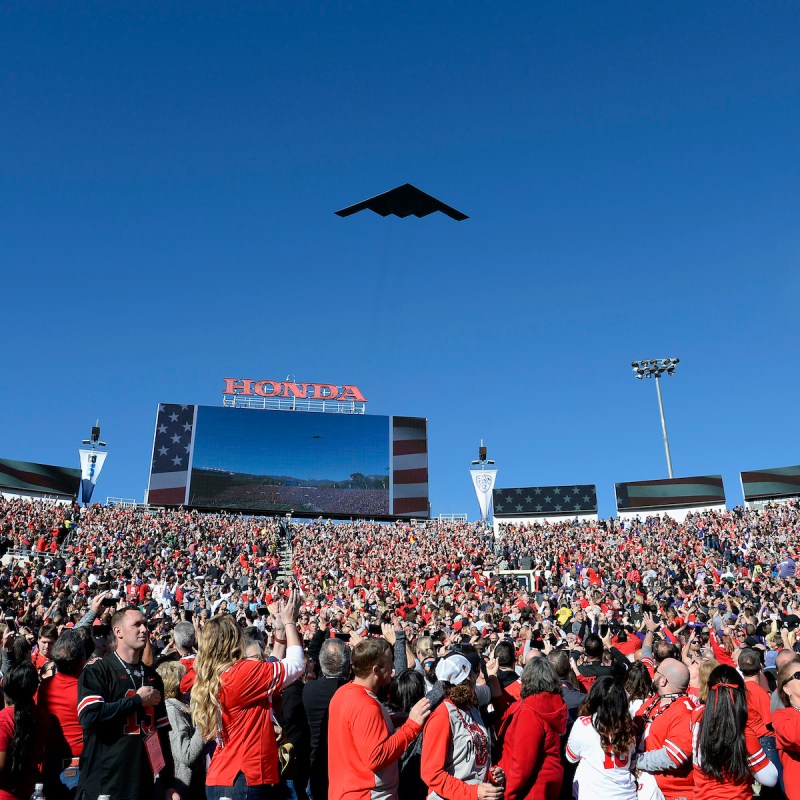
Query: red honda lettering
point(267, 389)
point(351, 393)
point(238, 386)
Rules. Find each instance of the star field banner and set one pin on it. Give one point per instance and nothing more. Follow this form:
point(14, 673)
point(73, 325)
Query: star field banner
point(545, 501)
point(701, 490)
point(91, 463)
point(483, 481)
point(760, 484)
point(172, 454)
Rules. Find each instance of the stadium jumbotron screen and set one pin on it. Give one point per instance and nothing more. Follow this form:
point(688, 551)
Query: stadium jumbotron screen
point(307, 464)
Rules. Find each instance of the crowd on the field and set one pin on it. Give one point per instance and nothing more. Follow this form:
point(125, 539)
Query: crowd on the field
point(250, 657)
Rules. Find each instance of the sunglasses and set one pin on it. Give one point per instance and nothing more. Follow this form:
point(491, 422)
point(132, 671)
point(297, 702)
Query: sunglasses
point(794, 677)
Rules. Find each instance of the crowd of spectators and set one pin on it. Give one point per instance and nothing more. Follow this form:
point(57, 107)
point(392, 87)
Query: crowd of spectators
point(148, 620)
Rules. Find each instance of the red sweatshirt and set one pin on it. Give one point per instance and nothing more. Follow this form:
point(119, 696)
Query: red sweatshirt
point(363, 747)
point(786, 722)
point(532, 748)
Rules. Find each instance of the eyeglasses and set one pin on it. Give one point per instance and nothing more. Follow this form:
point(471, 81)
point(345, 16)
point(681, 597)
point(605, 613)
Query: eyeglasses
point(794, 677)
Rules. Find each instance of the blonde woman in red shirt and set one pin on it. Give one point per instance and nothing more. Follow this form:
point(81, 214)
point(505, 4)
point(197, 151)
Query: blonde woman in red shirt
point(232, 704)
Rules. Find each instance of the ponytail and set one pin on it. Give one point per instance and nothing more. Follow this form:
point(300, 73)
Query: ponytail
point(20, 687)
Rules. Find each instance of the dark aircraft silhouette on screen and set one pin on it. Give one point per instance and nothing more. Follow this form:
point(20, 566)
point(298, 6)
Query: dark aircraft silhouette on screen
point(403, 201)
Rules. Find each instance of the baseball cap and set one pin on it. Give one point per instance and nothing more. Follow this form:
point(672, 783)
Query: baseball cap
point(454, 669)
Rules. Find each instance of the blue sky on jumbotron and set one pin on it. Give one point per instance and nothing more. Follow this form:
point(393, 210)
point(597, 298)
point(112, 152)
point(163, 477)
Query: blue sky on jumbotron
point(631, 170)
point(301, 445)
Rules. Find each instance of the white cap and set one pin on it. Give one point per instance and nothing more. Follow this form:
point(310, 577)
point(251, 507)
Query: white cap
point(454, 669)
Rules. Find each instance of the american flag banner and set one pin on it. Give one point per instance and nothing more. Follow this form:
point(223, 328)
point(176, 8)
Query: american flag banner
point(28, 476)
point(543, 501)
point(409, 467)
point(172, 454)
point(701, 490)
point(766, 483)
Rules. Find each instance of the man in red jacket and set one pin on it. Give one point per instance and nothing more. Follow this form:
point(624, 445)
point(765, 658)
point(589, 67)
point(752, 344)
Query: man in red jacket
point(759, 715)
point(58, 698)
point(666, 721)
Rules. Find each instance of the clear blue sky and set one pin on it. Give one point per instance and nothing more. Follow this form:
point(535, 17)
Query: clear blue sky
point(168, 179)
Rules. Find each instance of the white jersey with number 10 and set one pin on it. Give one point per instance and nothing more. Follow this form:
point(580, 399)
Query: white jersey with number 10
point(600, 775)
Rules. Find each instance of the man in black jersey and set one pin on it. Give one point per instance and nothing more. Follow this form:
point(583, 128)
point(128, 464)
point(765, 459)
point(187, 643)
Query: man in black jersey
point(124, 720)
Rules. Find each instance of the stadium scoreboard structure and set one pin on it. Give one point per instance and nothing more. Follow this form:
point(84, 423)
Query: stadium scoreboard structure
point(763, 485)
point(546, 502)
point(337, 465)
point(673, 496)
point(29, 479)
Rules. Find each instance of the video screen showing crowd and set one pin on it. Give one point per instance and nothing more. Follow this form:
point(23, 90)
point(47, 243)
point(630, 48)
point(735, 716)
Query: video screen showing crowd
point(171, 654)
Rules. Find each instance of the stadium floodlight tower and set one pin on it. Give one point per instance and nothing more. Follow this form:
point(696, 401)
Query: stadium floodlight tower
point(655, 368)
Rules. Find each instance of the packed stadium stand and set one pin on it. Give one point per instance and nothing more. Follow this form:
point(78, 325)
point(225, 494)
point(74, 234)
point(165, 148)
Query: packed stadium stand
point(722, 581)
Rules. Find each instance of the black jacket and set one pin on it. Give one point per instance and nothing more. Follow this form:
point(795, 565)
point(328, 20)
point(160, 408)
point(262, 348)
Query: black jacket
point(317, 697)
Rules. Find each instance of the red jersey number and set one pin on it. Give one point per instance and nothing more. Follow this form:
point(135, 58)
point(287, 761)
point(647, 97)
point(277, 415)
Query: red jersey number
point(612, 761)
point(132, 726)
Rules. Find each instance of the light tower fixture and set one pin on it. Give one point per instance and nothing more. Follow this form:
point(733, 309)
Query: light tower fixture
point(481, 459)
point(94, 439)
point(655, 368)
